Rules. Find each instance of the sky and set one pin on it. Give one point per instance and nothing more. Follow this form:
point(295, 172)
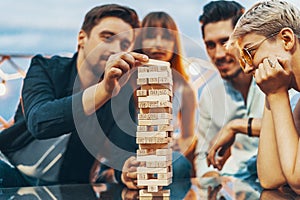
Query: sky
point(51, 26)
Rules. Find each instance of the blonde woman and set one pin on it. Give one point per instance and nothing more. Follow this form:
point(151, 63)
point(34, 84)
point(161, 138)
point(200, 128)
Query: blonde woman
point(267, 36)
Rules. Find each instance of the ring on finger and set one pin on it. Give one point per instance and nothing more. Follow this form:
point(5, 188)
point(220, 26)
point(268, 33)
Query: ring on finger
point(271, 63)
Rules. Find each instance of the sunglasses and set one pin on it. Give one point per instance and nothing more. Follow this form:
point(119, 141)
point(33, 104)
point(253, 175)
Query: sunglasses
point(246, 57)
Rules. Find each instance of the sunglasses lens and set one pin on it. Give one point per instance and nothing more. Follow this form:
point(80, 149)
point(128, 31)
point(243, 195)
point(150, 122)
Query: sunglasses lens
point(242, 63)
point(247, 57)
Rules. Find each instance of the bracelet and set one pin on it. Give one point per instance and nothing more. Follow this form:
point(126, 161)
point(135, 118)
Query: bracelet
point(249, 128)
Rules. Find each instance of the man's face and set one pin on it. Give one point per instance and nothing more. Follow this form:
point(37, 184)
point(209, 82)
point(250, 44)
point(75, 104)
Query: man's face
point(111, 35)
point(215, 36)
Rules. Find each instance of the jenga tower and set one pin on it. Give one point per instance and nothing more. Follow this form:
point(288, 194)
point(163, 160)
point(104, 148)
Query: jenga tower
point(154, 131)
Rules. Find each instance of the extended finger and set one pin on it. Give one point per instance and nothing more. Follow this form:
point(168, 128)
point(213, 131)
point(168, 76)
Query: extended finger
point(114, 73)
point(139, 57)
point(131, 175)
point(128, 58)
point(133, 162)
point(220, 160)
point(260, 72)
point(268, 66)
point(211, 157)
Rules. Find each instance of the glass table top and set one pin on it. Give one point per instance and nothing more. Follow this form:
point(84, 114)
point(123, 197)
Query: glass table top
point(224, 188)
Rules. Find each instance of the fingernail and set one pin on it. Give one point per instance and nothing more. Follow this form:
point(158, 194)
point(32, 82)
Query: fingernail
point(145, 57)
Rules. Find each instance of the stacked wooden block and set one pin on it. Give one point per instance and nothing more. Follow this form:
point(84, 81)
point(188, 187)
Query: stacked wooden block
point(154, 131)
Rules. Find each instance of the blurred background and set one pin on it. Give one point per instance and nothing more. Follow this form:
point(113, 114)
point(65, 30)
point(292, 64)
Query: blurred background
point(51, 26)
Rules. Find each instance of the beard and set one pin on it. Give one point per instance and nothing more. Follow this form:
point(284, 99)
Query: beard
point(232, 76)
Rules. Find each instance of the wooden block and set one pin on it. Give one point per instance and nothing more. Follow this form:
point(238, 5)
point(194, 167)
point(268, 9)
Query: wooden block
point(162, 152)
point(160, 193)
point(154, 122)
point(144, 152)
point(161, 140)
point(142, 176)
point(141, 152)
point(151, 164)
point(154, 74)
point(153, 68)
point(152, 188)
point(153, 62)
point(158, 128)
point(154, 182)
point(145, 116)
point(156, 110)
point(164, 104)
point(164, 128)
point(140, 93)
point(165, 68)
point(155, 92)
point(145, 198)
point(146, 140)
point(141, 81)
point(164, 176)
point(153, 80)
point(155, 116)
point(140, 140)
point(155, 104)
point(165, 80)
point(158, 164)
point(144, 104)
point(154, 98)
point(152, 134)
point(142, 69)
point(155, 146)
point(142, 128)
point(154, 170)
point(150, 140)
point(157, 86)
point(154, 198)
point(164, 163)
point(155, 158)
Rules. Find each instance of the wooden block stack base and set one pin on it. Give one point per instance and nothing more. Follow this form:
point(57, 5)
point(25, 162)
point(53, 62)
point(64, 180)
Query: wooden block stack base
point(154, 131)
point(161, 194)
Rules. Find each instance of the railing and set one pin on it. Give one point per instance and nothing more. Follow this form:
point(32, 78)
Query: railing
point(10, 70)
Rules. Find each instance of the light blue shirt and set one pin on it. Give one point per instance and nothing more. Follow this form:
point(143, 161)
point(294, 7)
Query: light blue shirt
point(218, 104)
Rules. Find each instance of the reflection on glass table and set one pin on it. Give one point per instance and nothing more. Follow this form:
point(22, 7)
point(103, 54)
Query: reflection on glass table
point(284, 193)
point(228, 188)
point(214, 188)
point(86, 191)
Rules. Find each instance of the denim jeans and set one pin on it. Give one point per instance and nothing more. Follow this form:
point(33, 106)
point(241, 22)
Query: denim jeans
point(181, 182)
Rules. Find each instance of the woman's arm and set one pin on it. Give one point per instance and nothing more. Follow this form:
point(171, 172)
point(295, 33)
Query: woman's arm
point(287, 138)
point(275, 81)
point(268, 165)
point(187, 118)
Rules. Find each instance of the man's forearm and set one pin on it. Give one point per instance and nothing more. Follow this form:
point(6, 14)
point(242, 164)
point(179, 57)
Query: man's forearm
point(242, 126)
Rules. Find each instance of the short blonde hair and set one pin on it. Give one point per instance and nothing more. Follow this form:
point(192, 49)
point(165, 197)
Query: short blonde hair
point(266, 18)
